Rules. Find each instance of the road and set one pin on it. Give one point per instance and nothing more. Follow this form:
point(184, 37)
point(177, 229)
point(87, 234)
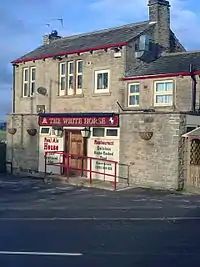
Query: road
point(53, 225)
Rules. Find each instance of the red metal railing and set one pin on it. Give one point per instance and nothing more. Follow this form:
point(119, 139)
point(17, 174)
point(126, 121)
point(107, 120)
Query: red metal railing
point(64, 164)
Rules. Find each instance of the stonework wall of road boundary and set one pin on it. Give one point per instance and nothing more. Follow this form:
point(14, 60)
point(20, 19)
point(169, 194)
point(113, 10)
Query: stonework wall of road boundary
point(156, 162)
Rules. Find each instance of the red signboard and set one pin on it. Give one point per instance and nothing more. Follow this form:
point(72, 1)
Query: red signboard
point(112, 121)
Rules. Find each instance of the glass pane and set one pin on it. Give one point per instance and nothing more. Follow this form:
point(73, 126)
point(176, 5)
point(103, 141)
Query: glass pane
point(98, 132)
point(80, 66)
point(71, 82)
point(160, 87)
point(32, 88)
point(169, 87)
point(45, 130)
point(134, 100)
point(164, 99)
point(105, 80)
point(62, 83)
point(25, 93)
point(79, 81)
point(134, 88)
point(33, 71)
point(26, 75)
point(63, 69)
point(99, 81)
point(111, 132)
point(71, 67)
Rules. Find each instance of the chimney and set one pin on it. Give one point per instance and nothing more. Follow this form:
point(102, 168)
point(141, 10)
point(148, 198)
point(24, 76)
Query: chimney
point(159, 12)
point(48, 38)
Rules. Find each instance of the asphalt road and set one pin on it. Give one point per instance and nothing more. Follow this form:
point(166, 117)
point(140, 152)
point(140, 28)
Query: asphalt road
point(53, 225)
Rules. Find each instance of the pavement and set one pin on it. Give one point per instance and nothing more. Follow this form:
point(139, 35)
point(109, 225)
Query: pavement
point(51, 225)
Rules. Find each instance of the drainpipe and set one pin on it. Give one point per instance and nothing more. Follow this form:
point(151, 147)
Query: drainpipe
point(194, 87)
point(13, 91)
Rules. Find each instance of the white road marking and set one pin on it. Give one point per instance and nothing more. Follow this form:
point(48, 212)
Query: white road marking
point(30, 253)
point(103, 219)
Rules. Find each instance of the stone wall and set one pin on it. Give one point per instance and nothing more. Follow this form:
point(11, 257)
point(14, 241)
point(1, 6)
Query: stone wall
point(155, 162)
point(22, 148)
point(89, 101)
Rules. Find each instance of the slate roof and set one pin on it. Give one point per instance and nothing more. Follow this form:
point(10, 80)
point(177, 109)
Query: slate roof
point(84, 42)
point(168, 64)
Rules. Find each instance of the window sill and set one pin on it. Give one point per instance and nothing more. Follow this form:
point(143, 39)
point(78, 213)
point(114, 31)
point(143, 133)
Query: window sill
point(70, 96)
point(101, 94)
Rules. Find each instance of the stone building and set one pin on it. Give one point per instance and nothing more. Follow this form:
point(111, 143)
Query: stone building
point(132, 89)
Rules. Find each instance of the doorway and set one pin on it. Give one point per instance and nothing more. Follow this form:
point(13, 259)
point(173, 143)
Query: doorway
point(75, 144)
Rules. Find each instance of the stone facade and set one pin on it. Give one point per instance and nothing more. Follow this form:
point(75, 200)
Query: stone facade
point(155, 162)
point(182, 94)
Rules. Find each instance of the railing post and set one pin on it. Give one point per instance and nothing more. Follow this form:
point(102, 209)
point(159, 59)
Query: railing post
point(115, 178)
point(45, 163)
point(68, 165)
point(90, 170)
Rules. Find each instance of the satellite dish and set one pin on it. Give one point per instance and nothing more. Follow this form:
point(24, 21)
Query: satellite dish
point(42, 91)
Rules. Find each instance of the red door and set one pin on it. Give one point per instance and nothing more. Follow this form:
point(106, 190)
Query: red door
point(74, 144)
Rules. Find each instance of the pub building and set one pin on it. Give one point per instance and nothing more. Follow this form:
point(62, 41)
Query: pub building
point(93, 135)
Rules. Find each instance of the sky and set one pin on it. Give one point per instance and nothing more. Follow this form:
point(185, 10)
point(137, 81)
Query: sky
point(23, 24)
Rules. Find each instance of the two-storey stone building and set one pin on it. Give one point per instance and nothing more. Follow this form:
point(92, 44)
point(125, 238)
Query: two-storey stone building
point(131, 90)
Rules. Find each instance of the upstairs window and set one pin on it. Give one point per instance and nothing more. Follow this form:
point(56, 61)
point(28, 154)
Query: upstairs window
point(32, 80)
point(134, 95)
point(163, 93)
point(71, 77)
point(79, 70)
point(25, 82)
point(102, 80)
point(29, 82)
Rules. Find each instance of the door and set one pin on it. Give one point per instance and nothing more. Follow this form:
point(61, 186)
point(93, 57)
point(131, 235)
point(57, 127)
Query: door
point(75, 144)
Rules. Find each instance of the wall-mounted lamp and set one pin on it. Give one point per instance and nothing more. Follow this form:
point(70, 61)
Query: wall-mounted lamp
point(85, 132)
point(58, 131)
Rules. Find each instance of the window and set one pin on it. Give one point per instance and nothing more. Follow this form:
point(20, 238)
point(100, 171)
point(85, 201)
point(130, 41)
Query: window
point(111, 132)
point(79, 77)
point(71, 77)
point(45, 130)
point(134, 95)
point(163, 93)
point(32, 81)
point(25, 83)
point(62, 83)
point(28, 81)
point(98, 132)
point(102, 81)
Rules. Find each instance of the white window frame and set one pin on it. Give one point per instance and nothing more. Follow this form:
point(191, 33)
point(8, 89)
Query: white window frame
point(32, 81)
point(163, 93)
point(79, 90)
point(70, 91)
point(62, 91)
point(133, 94)
point(106, 90)
point(25, 82)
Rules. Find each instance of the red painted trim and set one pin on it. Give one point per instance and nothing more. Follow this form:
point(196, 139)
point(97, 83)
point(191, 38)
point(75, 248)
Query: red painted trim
point(69, 53)
point(165, 75)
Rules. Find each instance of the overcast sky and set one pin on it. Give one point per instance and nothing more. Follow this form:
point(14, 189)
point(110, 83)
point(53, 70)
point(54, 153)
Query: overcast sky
point(23, 23)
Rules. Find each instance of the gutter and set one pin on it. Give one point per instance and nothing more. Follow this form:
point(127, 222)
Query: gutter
point(69, 53)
